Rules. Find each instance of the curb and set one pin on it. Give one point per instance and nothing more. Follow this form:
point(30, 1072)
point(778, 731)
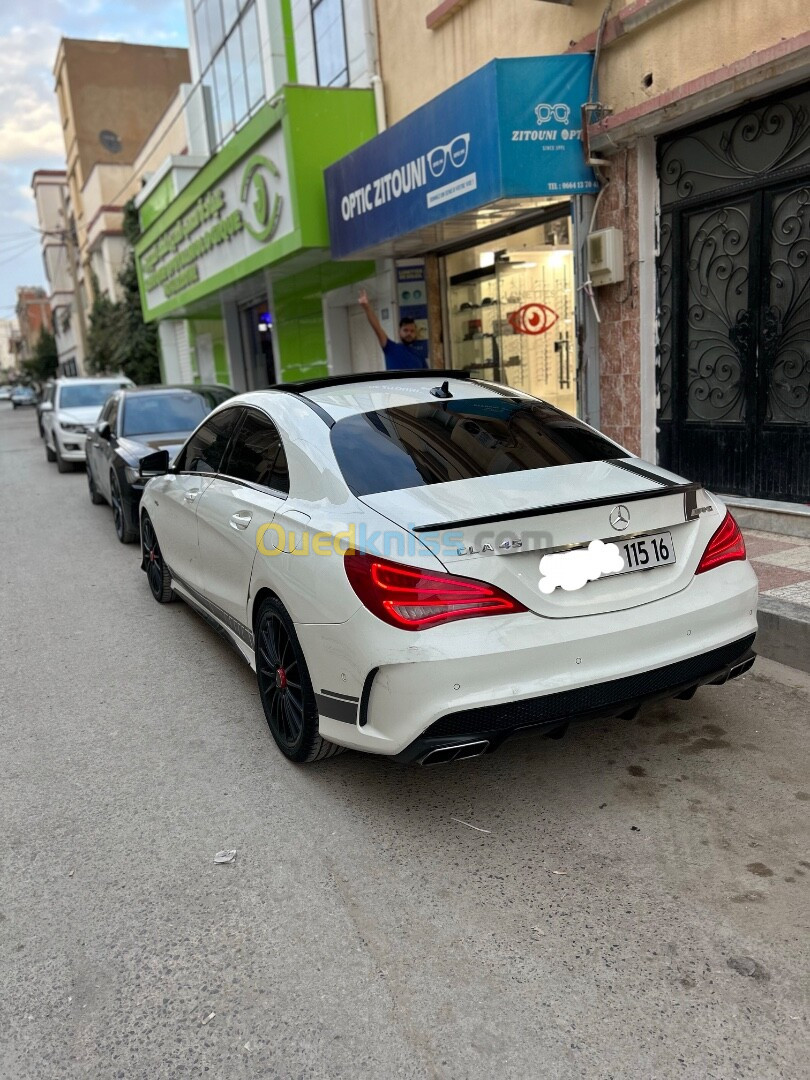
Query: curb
point(784, 632)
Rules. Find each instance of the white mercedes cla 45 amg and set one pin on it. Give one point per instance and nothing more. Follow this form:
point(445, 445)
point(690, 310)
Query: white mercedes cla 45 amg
point(421, 565)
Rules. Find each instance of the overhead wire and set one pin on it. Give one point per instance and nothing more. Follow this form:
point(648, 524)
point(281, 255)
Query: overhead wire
point(18, 254)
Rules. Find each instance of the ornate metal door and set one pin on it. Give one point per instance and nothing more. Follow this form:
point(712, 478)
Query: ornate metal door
point(734, 302)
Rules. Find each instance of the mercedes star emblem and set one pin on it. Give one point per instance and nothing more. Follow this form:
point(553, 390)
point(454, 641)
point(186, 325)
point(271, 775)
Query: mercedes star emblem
point(619, 518)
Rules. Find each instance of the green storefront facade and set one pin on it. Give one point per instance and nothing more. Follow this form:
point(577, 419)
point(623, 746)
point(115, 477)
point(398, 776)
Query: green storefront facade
point(240, 256)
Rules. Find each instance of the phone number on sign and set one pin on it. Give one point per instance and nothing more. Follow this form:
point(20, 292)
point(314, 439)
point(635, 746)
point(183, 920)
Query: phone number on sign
point(572, 185)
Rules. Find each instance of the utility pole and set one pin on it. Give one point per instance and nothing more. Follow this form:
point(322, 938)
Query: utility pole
point(77, 286)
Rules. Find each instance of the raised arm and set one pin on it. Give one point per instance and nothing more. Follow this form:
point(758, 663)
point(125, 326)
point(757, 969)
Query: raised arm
point(373, 321)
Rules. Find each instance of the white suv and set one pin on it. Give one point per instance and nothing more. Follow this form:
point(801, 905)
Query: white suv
point(73, 410)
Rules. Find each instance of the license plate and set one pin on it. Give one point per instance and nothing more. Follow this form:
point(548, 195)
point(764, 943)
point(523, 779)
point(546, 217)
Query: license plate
point(645, 552)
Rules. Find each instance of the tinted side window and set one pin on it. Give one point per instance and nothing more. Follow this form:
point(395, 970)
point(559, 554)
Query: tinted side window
point(106, 412)
point(204, 451)
point(258, 456)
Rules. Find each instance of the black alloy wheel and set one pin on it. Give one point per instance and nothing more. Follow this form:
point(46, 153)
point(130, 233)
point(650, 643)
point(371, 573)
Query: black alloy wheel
point(123, 530)
point(158, 576)
point(285, 687)
point(95, 498)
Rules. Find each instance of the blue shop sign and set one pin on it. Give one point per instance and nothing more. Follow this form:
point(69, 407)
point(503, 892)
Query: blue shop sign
point(510, 130)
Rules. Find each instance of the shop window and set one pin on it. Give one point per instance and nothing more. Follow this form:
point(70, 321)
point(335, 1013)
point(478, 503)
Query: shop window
point(230, 13)
point(229, 54)
point(236, 68)
point(251, 48)
point(216, 32)
point(222, 94)
point(511, 312)
point(330, 42)
point(201, 30)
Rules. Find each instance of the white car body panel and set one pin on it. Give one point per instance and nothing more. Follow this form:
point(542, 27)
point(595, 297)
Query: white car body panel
point(612, 629)
point(70, 445)
point(175, 503)
point(229, 517)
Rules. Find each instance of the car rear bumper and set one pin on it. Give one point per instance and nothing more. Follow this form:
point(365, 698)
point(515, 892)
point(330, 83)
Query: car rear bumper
point(379, 693)
point(472, 732)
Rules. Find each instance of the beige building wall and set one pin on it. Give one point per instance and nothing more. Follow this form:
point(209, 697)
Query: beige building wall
point(111, 96)
point(418, 62)
point(110, 187)
point(426, 46)
point(657, 56)
point(168, 138)
point(50, 198)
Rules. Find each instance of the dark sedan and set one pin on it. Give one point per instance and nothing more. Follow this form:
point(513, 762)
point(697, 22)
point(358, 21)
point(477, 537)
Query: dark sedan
point(133, 423)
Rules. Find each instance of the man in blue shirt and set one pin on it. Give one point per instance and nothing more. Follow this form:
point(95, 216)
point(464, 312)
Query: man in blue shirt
point(399, 355)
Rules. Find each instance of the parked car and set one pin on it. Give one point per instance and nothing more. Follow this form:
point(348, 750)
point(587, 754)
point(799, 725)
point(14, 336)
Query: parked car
point(23, 395)
point(45, 401)
point(6, 392)
point(134, 422)
point(372, 545)
point(71, 413)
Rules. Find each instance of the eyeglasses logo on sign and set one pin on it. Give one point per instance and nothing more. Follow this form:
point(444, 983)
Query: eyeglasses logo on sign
point(455, 152)
point(261, 216)
point(413, 175)
point(559, 112)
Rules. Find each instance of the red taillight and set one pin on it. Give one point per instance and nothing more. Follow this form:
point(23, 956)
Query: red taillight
point(414, 599)
point(727, 545)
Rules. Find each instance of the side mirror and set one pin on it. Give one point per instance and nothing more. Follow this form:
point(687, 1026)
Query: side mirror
point(156, 464)
point(103, 430)
point(46, 406)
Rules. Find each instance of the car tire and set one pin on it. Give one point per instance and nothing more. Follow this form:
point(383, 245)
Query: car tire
point(62, 465)
point(157, 574)
point(49, 454)
point(95, 498)
point(285, 687)
point(123, 530)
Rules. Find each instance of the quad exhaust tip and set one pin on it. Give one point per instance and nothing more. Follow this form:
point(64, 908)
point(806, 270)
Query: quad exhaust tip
point(443, 754)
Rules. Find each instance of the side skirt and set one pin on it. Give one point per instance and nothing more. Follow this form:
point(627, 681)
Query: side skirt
point(206, 610)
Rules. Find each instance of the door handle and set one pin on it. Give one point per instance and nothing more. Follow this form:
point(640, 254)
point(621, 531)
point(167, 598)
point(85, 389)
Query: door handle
point(190, 496)
point(241, 519)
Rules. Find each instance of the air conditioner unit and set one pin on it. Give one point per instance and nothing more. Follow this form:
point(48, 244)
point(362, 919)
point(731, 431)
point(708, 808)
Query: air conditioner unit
point(605, 250)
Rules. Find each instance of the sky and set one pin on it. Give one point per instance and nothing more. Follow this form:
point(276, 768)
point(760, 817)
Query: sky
point(30, 130)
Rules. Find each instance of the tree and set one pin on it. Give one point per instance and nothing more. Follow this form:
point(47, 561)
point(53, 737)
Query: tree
point(119, 340)
point(43, 363)
point(103, 338)
point(140, 355)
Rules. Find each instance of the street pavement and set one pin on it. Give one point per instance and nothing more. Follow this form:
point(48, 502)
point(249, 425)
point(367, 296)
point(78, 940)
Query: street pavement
point(628, 902)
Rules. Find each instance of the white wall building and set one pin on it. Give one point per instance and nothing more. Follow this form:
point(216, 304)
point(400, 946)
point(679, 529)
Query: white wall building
point(51, 198)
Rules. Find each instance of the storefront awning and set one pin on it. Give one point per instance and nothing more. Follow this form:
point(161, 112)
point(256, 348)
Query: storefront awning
point(505, 138)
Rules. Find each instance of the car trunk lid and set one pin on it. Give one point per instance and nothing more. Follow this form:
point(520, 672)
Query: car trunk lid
point(497, 528)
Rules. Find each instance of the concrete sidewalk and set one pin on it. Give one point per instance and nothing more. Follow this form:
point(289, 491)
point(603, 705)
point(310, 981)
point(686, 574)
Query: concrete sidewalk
point(782, 564)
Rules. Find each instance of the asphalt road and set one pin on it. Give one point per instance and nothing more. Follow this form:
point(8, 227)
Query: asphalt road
point(628, 902)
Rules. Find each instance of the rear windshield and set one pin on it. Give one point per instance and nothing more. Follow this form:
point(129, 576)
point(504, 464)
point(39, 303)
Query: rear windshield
point(156, 414)
point(417, 445)
point(83, 395)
